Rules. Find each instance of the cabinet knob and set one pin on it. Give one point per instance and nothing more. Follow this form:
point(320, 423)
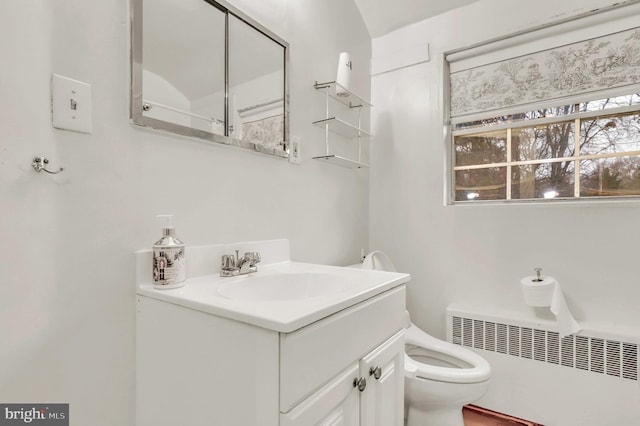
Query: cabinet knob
point(360, 383)
point(375, 372)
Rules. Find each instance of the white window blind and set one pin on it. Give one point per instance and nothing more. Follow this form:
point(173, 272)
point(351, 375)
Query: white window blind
point(588, 58)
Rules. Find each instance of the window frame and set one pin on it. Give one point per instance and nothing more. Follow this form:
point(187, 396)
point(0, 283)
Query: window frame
point(577, 117)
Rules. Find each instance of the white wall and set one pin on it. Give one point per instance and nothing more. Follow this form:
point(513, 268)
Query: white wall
point(476, 255)
point(67, 287)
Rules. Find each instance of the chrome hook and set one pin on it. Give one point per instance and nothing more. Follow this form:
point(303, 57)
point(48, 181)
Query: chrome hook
point(40, 164)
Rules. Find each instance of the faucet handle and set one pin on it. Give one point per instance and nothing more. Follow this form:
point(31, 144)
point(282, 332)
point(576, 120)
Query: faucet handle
point(253, 257)
point(228, 266)
point(228, 261)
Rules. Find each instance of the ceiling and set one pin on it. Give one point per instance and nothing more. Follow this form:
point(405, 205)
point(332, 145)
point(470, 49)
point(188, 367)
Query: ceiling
point(382, 17)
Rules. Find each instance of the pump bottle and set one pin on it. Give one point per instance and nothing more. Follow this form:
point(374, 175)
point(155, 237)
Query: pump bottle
point(168, 258)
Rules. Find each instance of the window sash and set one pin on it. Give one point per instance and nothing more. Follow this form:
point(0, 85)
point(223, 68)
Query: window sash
point(509, 164)
point(602, 113)
point(548, 160)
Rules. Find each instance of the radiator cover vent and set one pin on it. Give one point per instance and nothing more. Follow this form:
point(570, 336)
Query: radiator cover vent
point(598, 355)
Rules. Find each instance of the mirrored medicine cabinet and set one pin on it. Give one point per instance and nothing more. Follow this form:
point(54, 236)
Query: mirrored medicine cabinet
point(202, 68)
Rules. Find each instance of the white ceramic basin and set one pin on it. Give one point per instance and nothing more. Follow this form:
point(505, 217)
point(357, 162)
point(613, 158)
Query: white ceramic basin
point(282, 296)
point(284, 286)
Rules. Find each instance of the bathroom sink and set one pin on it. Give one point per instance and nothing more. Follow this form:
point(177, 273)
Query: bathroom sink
point(283, 295)
point(284, 286)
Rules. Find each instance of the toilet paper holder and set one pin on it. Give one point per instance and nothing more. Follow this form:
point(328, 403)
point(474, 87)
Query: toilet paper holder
point(538, 271)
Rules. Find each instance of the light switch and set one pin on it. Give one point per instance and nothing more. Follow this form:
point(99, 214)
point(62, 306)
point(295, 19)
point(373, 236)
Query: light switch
point(71, 104)
point(294, 150)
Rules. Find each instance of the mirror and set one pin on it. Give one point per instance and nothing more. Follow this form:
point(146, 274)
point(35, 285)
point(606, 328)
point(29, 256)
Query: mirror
point(200, 68)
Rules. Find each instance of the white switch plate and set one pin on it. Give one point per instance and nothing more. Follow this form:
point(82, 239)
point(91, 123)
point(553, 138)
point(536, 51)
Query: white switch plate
point(70, 104)
point(294, 150)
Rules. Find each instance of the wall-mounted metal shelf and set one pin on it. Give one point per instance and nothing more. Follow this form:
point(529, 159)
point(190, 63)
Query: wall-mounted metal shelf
point(334, 124)
point(342, 95)
point(342, 161)
point(342, 128)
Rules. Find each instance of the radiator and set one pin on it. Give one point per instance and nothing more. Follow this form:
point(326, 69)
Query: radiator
point(595, 354)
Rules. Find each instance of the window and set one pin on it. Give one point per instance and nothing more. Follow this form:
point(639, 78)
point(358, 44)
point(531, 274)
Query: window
point(589, 149)
point(552, 113)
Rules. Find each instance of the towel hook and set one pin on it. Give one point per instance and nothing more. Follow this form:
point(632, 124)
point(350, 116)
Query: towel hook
point(40, 164)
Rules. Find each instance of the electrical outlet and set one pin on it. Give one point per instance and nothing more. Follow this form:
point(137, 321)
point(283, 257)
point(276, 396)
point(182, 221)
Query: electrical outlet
point(70, 104)
point(294, 150)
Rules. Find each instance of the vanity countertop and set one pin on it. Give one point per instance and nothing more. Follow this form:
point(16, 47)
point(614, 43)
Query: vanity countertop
point(215, 295)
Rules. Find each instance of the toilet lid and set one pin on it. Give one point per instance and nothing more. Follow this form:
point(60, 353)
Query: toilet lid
point(378, 261)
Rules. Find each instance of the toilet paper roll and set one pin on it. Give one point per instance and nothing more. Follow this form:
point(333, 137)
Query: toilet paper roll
point(547, 293)
point(538, 293)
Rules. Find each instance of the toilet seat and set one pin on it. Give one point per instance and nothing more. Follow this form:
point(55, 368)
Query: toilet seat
point(472, 368)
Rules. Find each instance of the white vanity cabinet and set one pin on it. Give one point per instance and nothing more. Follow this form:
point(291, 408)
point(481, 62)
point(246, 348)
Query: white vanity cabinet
point(336, 404)
point(197, 369)
point(368, 393)
point(382, 401)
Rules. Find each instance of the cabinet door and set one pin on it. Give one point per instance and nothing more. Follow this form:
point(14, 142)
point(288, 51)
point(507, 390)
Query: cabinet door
point(382, 403)
point(335, 404)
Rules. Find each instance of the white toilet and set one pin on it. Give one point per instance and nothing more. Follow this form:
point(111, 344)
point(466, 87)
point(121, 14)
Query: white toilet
point(440, 377)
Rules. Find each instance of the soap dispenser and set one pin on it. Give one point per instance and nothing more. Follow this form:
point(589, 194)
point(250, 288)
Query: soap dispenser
point(168, 257)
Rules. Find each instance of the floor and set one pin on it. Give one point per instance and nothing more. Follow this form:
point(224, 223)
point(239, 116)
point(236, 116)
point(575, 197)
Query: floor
point(476, 416)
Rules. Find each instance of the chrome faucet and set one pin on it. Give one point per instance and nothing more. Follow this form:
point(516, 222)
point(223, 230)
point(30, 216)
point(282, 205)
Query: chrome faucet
point(232, 266)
